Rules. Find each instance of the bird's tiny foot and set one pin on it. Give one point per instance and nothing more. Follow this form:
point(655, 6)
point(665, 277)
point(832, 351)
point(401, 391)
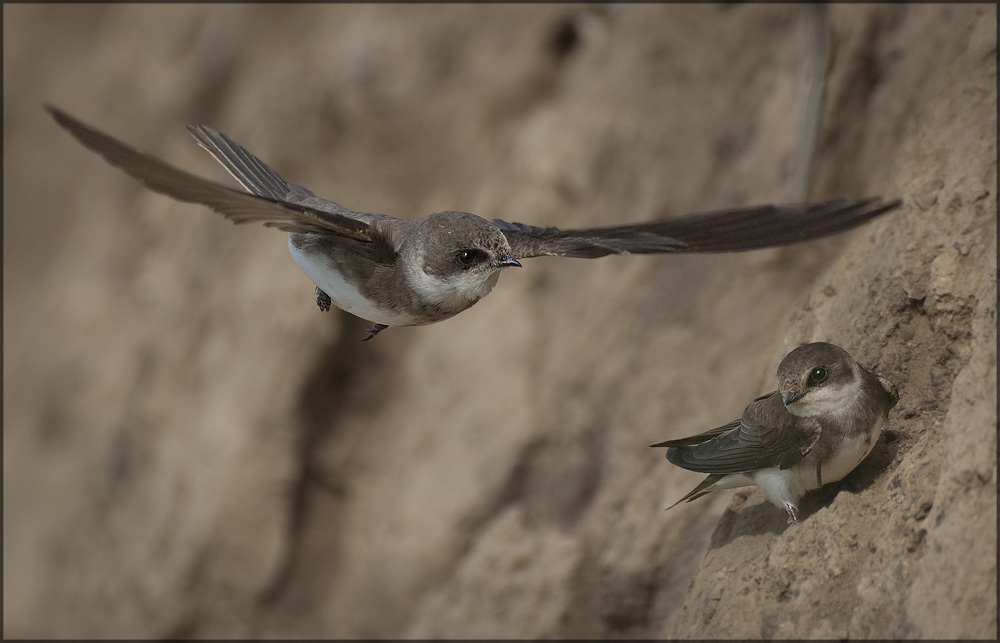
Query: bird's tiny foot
point(374, 330)
point(791, 509)
point(323, 300)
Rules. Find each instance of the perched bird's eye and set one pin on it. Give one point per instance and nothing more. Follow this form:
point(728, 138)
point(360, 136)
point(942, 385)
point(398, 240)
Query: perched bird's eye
point(817, 375)
point(469, 258)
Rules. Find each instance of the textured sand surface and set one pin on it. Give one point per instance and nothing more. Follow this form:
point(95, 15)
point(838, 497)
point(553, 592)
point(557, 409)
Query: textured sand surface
point(192, 449)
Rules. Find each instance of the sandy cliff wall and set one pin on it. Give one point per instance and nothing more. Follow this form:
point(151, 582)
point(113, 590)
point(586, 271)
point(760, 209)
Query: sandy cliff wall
point(192, 449)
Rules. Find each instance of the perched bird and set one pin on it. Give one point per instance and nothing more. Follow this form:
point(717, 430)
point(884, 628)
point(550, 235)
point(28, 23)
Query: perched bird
point(823, 420)
point(411, 272)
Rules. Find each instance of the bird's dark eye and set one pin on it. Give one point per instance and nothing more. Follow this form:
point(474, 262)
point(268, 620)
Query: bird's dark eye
point(817, 375)
point(469, 258)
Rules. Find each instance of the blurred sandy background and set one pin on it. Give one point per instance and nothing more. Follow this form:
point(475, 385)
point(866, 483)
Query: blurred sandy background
point(191, 449)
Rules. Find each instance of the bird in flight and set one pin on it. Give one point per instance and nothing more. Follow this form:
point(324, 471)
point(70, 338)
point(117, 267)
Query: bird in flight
point(412, 272)
point(823, 420)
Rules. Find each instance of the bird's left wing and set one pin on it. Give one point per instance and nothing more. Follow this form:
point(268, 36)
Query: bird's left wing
point(692, 440)
point(766, 436)
point(721, 231)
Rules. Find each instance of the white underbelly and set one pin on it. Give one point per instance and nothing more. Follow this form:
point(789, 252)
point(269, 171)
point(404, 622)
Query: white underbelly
point(343, 294)
point(850, 454)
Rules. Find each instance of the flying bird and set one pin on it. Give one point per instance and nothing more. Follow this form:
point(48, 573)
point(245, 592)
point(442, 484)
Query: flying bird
point(412, 272)
point(823, 420)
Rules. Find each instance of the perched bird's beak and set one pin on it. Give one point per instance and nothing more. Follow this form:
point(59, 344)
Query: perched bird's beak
point(509, 262)
point(792, 396)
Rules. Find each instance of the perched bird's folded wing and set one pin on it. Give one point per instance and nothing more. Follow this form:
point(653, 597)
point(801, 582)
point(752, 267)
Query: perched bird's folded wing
point(722, 231)
point(239, 207)
point(707, 435)
point(701, 437)
point(766, 436)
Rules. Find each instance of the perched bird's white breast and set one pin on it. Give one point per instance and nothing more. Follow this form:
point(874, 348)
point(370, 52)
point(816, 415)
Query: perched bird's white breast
point(851, 452)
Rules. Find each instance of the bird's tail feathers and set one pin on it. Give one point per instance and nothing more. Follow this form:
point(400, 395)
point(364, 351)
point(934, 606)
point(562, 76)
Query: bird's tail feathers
point(705, 487)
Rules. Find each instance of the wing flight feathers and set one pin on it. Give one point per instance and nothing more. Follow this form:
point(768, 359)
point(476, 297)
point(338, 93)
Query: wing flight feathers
point(732, 230)
point(237, 206)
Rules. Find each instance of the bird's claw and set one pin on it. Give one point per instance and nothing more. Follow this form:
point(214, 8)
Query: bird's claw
point(323, 300)
point(374, 330)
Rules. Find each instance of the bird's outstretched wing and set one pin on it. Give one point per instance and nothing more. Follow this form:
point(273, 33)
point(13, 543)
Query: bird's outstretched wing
point(721, 231)
point(257, 177)
point(766, 436)
point(268, 207)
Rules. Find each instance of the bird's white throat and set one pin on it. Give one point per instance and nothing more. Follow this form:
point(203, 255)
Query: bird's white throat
point(456, 291)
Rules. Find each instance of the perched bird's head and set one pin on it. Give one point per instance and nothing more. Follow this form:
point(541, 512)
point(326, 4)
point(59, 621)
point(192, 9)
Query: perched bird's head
point(816, 379)
point(460, 256)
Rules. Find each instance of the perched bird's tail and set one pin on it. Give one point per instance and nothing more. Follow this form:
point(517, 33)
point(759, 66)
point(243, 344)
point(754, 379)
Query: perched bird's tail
point(706, 485)
point(704, 488)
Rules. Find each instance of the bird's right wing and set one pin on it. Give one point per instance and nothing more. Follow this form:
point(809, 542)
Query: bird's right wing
point(269, 209)
point(257, 177)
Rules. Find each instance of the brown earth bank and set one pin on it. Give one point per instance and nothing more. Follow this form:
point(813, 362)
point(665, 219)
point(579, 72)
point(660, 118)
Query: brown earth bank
point(191, 449)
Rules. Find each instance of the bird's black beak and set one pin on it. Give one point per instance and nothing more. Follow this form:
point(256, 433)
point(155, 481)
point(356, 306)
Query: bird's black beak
point(792, 397)
point(510, 262)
